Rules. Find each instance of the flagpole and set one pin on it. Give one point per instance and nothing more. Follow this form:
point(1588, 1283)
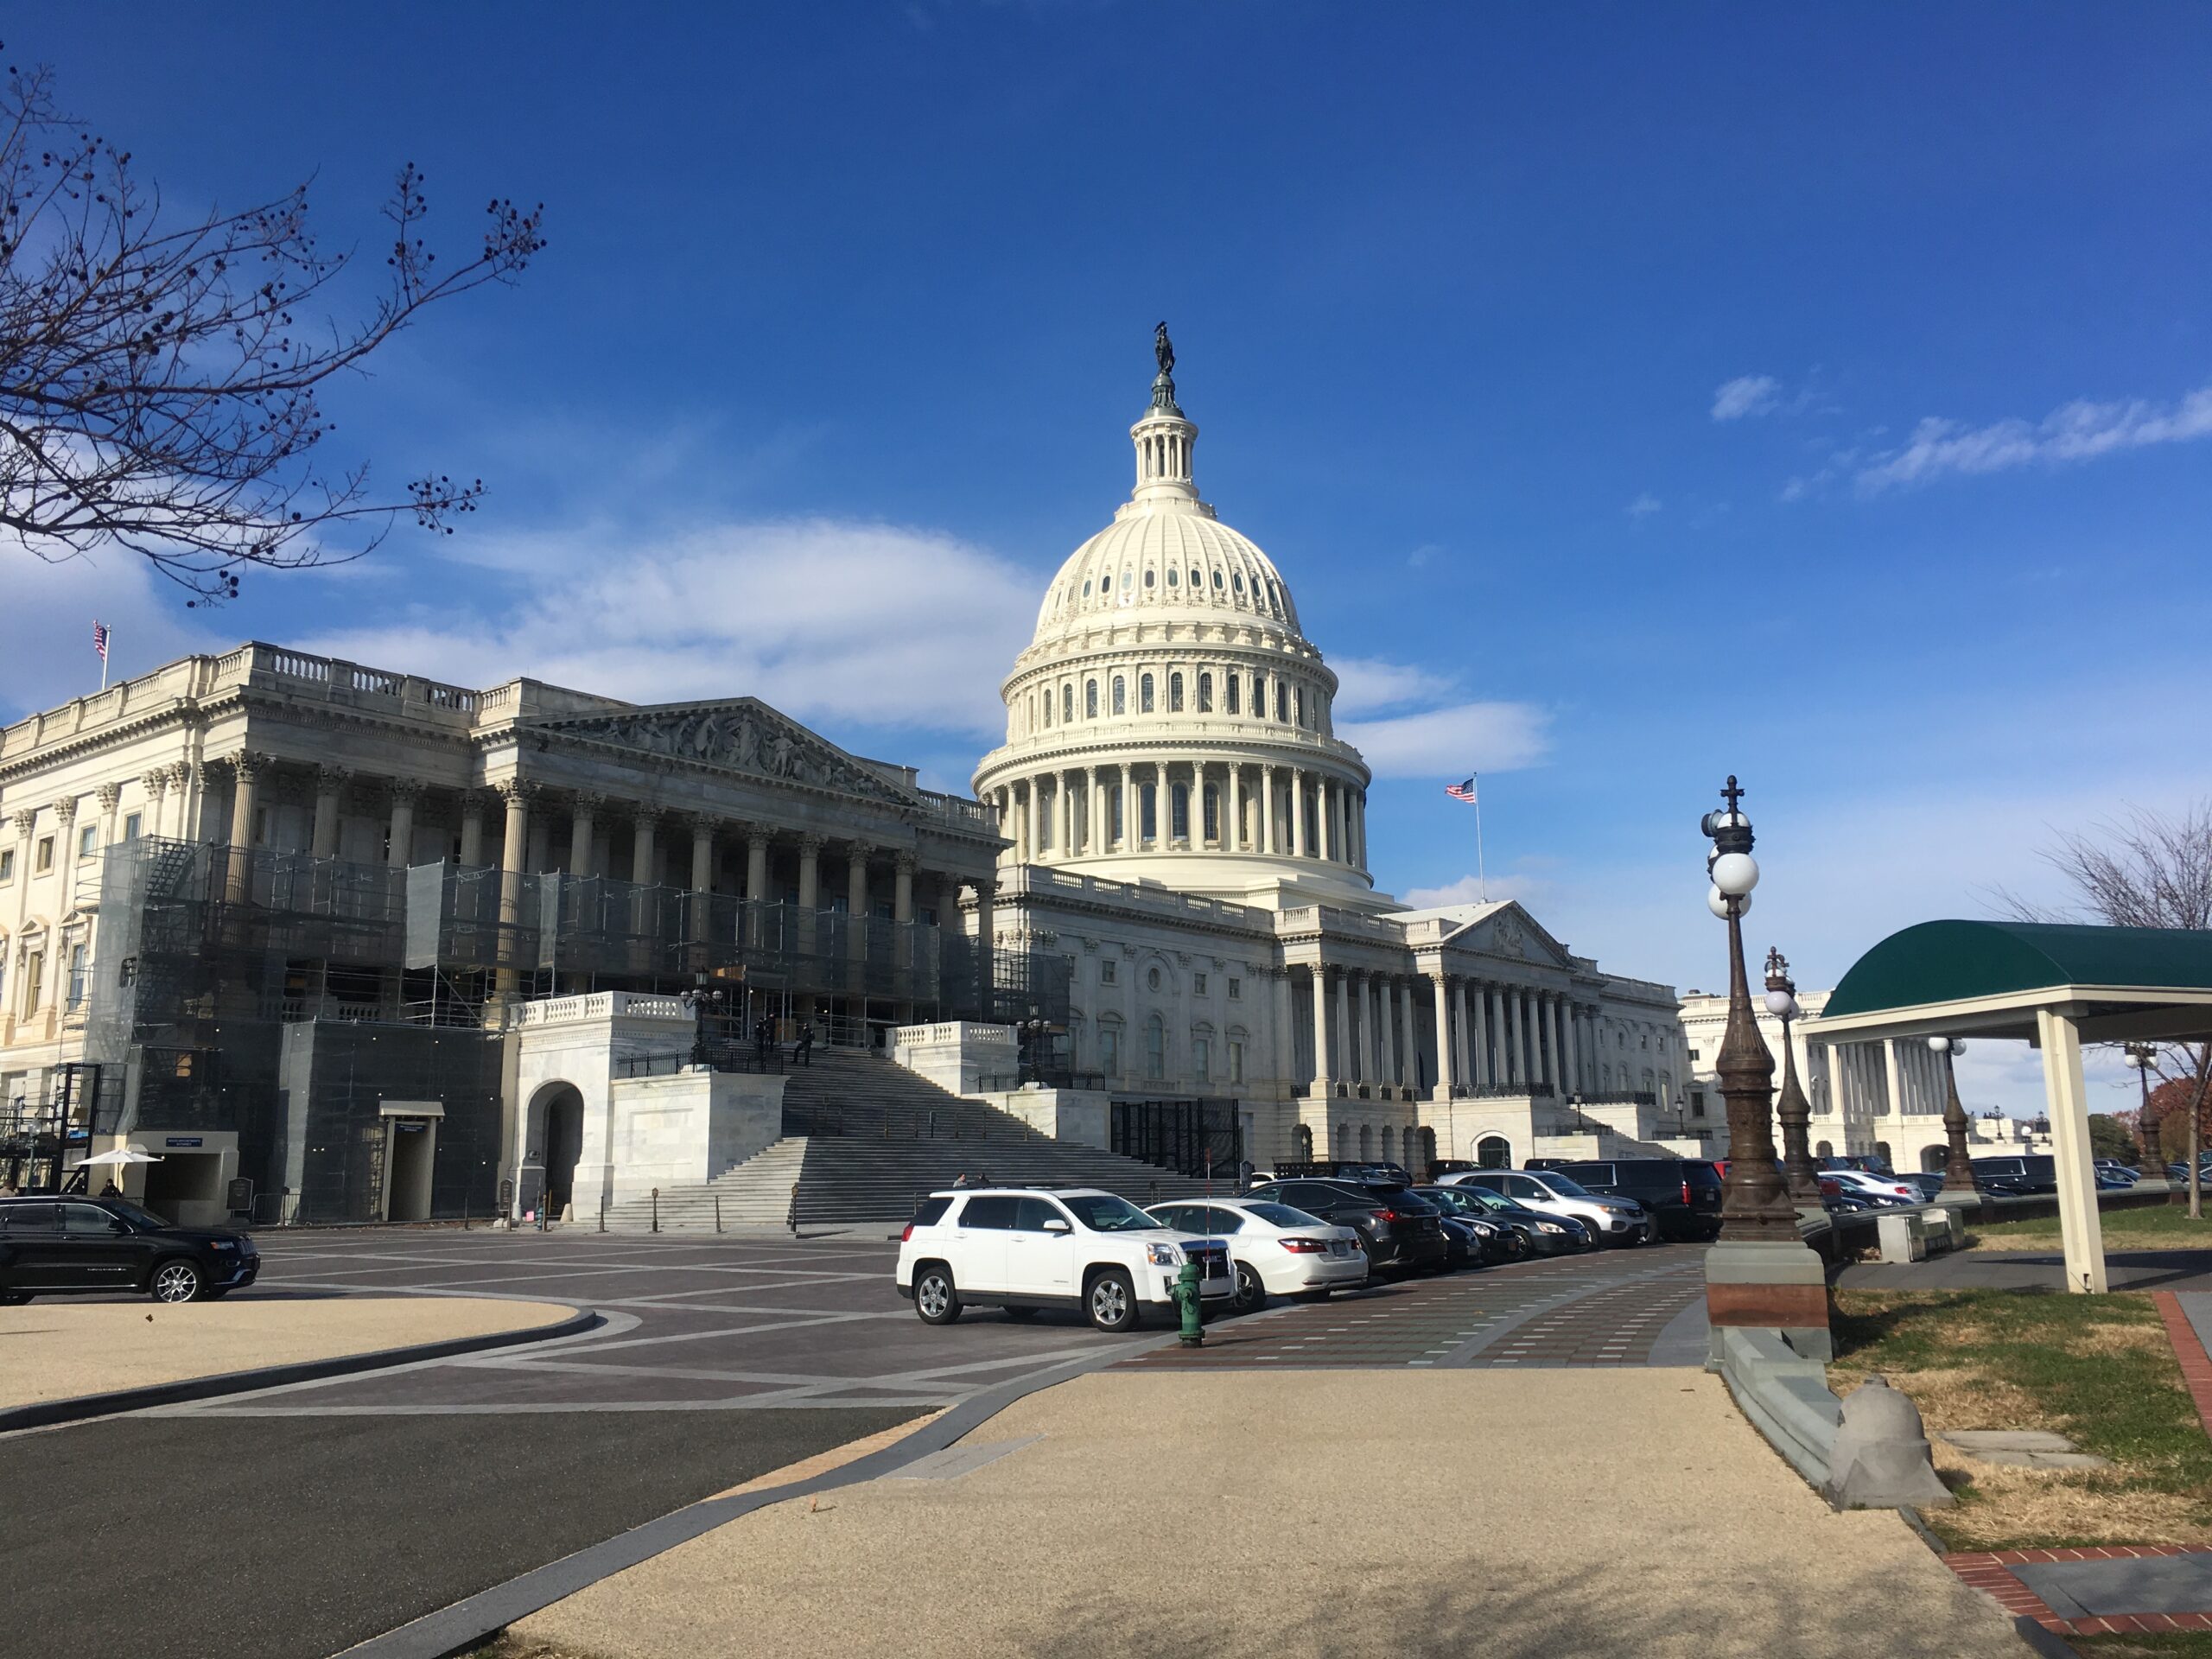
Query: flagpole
point(1482, 879)
point(106, 646)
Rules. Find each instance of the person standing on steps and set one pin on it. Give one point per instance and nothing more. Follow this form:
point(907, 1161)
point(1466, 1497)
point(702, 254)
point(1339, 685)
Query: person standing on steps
point(805, 1055)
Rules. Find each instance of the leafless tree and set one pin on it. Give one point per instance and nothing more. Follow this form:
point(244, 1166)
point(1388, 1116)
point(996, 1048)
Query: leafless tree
point(2146, 869)
point(159, 378)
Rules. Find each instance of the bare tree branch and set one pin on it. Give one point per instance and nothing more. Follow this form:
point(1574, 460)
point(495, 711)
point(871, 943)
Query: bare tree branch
point(158, 390)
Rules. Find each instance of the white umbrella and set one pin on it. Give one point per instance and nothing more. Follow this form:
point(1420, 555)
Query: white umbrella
point(119, 1155)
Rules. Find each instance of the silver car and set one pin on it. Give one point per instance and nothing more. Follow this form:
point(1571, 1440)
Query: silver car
point(1610, 1220)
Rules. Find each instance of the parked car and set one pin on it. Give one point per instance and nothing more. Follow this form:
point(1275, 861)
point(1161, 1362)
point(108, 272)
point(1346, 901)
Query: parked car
point(1613, 1221)
point(70, 1246)
point(1471, 1242)
point(1341, 1169)
point(1025, 1248)
point(1872, 1163)
point(1399, 1235)
point(1527, 1233)
point(1275, 1250)
point(1875, 1188)
point(2128, 1173)
point(1683, 1194)
point(1928, 1182)
point(1837, 1202)
point(2032, 1174)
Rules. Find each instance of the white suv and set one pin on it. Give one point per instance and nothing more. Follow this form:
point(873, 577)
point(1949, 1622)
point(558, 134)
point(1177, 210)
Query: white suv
point(1025, 1248)
point(1611, 1220)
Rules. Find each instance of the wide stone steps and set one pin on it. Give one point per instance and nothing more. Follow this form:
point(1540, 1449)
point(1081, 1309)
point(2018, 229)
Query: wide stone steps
point(856, 1173)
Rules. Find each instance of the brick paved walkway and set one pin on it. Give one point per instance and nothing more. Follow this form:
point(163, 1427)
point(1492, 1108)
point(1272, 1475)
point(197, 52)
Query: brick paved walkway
point(1613, 1309)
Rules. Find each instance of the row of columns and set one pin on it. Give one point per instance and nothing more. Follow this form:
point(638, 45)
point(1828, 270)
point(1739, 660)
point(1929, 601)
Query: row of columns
point(1488, 1036)
point(1069, 811)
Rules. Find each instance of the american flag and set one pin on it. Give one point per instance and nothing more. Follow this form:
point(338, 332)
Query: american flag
point(1463, 792)
point(100, 640)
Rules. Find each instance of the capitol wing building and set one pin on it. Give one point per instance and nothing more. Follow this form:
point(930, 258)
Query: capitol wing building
point(336, 942)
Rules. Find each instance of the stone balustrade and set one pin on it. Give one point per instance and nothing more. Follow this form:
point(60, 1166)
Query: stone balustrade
point(602, 1005)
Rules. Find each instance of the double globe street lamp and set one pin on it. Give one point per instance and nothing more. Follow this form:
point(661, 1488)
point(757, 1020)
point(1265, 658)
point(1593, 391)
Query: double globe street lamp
point(2143, 1057)
point(1791, 1108)
point(1756, 1205)
point(1958, 1163)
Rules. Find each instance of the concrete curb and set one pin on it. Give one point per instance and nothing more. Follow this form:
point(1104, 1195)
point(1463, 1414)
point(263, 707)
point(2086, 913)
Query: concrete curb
point(476, 1620)
point(45, 1413)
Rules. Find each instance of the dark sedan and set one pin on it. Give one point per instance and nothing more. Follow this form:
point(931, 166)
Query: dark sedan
point(82, 1247)
point(1527, 1233)
point(1401, 1231)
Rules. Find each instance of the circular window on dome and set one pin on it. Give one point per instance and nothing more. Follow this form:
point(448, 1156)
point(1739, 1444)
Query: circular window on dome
point(1147, 578)
point(1171, 578)
point(1237, 581)
point(1216, 581)
point(1152, 979)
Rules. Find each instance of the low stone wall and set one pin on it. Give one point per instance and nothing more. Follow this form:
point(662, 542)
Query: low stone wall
point(686, 1128)
point(1783, 1393)
point(1082, 1115)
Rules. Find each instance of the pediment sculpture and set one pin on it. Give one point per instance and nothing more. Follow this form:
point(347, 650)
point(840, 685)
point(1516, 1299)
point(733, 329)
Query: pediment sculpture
point(740, 737)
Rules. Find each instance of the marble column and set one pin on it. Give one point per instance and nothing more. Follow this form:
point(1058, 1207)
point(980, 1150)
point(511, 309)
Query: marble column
point(329, 785)
point(1510, 1038)
point(1467, 1056)
point(1297, 813)
point(1267, 810)
point(472, 829)
point(1128, 836)
point(157, 796)
point(247, 767)
point(1233, 828)
point(1410, 1050)
point(1323, 1071)
point(986, 949)
point(1440, 1089)
point(809, 891)
point(644, 863)
point(1344, 1061)
point(1285, 1036)
point(703, 853)
point(1558, 1045)
point(756, 882)
point(583, 831)
point(1387, 991)
point(514, 853)
point(399, 833)
point(902, 887)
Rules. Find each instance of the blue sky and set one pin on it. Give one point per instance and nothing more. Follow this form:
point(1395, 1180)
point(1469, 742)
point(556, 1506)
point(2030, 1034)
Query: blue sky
point(1631, 395)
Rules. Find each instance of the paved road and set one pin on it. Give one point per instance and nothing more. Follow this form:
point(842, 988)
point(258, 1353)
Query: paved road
point(290, 1523)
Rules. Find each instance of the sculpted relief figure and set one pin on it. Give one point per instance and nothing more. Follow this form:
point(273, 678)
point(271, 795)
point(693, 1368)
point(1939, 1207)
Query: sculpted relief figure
point(779, 755)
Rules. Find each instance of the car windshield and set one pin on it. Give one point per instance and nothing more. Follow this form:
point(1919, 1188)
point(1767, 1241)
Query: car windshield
point(137, 1218)
point(1564, 1185)
point(1105, 1213)
point(1281, 1215)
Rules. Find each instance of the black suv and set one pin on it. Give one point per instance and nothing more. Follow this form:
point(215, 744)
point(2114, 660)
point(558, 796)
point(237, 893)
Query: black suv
point(73, 1246)
point(1400, 1229)
point(1683, 1194)
point(2032, 1175)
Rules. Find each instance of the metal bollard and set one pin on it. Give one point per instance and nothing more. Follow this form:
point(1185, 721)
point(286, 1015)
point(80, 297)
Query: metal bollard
point(792, 1218)
point(1193, 1334)
point(603, 1212)
point(656, 1209)
point(718, 1212)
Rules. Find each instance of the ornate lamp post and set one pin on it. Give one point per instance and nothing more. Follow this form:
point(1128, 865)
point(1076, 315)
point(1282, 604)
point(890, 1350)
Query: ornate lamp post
point(2143, 1057)
point(1791, 1108)
point(1958, 1163)
point(1755, 1206)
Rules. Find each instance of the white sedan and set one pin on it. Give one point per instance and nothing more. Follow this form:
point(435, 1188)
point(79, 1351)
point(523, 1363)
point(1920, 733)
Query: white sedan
point(1875, 1188)
point(1277, 1250)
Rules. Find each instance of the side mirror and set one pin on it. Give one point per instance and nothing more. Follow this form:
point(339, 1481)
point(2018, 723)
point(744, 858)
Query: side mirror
point(1056, 1225)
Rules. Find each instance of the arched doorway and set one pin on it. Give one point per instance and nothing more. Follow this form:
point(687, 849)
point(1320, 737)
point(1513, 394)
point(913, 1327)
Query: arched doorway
point(1494, 1152)
point(1342, 1138)
point(1406, 1148)
point(1301, 1141)
point(1826, 1149)
point(1931, 1159)
point(1426, 1147)
point(1366, 1143)
point(1882, 1152)
point(556, 1140)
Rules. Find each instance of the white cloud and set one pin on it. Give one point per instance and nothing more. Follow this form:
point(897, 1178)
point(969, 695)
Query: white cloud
point(1367, 685)
point(1643, 506)
point(1455, 740)
point(46, 628)
point(2078, 431)
point(1747, 394)
point(829, 620)
point(1469, 889)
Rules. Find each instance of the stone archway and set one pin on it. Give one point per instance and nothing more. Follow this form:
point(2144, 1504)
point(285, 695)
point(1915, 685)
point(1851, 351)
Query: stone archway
point(554, 1138)
point(1932, 1158)
point(1494, 1152)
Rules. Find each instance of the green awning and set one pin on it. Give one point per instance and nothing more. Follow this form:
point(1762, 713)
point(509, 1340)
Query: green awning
point(1952, 961)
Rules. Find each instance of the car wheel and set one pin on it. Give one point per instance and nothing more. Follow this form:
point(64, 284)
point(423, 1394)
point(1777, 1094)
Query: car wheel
point(1112, 1302)
point(1021, 1315)
point(1251, 1294)
point(1516, 1245)
point(936, 1299)
point(178, 1281)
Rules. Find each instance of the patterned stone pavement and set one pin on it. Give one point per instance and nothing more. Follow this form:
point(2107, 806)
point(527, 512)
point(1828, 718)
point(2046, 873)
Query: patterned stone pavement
point(1622, 1307)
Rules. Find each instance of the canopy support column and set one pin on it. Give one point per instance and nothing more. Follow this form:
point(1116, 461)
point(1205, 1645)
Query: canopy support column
point(2080, 1227)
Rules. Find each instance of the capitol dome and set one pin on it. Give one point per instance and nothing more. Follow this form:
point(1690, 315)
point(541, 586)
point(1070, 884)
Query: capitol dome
point(1169, 721)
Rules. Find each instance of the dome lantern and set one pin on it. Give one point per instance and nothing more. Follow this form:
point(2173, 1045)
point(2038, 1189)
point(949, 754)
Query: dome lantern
point(1164, 435)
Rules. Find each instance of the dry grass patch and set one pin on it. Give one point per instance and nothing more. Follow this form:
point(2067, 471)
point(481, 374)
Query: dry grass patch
point(2097, 1369)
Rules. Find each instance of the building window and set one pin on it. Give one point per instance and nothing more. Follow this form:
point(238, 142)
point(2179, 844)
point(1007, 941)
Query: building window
point(1147, 812)
point(1236, 988)
point(1114, 804)
point(43, 855)
point(1152, 979)
point(1229, 685)
point(1216, 581)
point(34, 982)
point(1106, 966)
point(1201, 1060)
point(1692, 1057)
point(1171, 578)
point(1236, 582)
point(1213, 814)
point(1048, 705)
point(132, 823)
point(1282, 703)
point(1121, 696)
point(1109, 1047)
point(1090, 699)
point(1258, 696)
point(1236, 1061)
point(1144, 695)
point(1301, 705)
point(1178, 811)
point(8, 865)
point(76, 974)
point(1155, 1048)
point(1494, 1152)
point(1205, 694)
point(1174, 694)
point(88, 840)
point(1198, 984)
point(1147, 578)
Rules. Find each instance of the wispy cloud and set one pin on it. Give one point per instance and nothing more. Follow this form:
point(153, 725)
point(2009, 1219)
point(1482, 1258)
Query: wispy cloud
point(1455, 738)
point(872, 624)
point(1644, 506)
point(1368, 685)
point(2081, 430)
point(1746, 395)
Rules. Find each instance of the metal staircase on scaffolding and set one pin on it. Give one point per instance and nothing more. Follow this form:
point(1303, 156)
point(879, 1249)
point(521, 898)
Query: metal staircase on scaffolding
point(864, 1138)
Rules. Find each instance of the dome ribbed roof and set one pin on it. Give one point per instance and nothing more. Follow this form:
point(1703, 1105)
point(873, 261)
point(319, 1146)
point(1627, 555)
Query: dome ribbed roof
point(1166, 565)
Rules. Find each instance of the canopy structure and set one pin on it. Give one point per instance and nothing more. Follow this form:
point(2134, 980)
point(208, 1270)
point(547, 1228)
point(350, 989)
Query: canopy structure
point(2056, 985)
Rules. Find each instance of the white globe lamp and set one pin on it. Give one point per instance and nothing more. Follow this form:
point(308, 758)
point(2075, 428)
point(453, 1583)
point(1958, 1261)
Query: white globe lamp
point(1736, 874)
